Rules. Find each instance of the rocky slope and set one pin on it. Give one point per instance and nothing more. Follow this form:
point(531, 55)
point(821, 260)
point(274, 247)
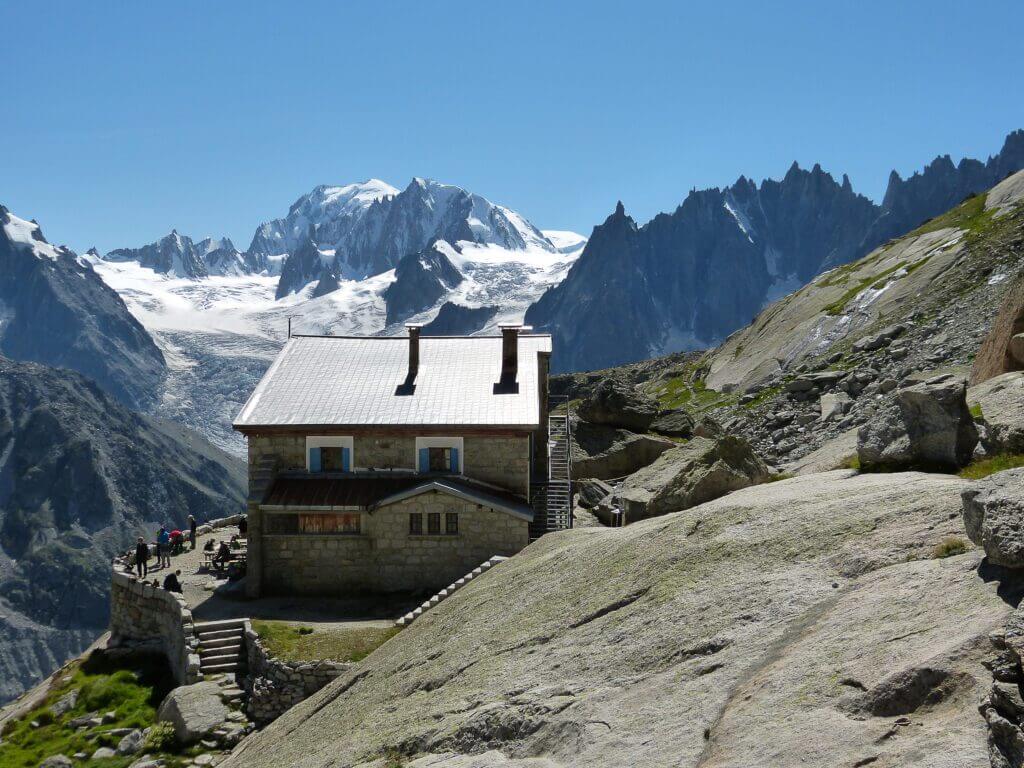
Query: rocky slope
point(686, 280)
point(55, 309)
point(120, 474)
point(735, 633)
point(421, 279)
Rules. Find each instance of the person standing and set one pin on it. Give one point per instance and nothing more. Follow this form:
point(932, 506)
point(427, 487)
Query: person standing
point(142, 558)
point(192, 530)
point(163, 548)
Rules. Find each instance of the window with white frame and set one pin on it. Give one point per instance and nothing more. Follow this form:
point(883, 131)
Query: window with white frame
point(329, 453)
point(439, 454)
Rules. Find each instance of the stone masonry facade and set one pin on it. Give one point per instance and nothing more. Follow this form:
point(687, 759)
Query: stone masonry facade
point(502, 460)
point(385, 557)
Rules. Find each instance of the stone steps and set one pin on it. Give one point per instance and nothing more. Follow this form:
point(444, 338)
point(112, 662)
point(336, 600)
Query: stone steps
point(222, 648)
point(450, 590)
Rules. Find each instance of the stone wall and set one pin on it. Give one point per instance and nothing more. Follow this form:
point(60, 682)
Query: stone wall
point(144, 615)
point(274, 686)
point(502, 460)
point(385, 557)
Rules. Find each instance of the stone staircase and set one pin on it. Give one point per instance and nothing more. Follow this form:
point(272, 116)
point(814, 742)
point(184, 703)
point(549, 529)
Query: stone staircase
point(222, 647)
point(448, 591)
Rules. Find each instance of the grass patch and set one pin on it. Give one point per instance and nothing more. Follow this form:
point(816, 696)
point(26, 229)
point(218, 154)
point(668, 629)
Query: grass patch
point(290, 642)
point(976, 413)
point(680, 391)
point(852, 463)
point(103, 686)
point(876, 281)
point(779, 476)
point(949, 546)
point(989, 466)
point(970, 216)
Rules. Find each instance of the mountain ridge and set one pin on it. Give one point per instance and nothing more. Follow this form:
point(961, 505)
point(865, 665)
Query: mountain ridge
point(689, 279)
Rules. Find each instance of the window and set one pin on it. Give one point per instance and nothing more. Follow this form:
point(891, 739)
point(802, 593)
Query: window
point(434, 523)
point(451, 523)
point(439, 454)
point(347, 524)
point(440, 459)
point(328, 453)
point(415, 524)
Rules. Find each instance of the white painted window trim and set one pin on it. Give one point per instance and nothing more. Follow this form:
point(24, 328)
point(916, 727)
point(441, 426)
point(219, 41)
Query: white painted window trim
point(331, 441)
point(440, 442)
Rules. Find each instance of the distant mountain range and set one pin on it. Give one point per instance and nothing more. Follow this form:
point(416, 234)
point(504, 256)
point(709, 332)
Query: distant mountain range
point(687, 279)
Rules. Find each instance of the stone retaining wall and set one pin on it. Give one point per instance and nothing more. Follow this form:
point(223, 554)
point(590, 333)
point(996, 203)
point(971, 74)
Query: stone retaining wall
point(144, 615)
point(274, 686)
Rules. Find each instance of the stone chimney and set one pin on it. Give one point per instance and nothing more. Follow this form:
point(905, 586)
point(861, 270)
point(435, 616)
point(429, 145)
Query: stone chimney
point(510, 352)
point(414, 350)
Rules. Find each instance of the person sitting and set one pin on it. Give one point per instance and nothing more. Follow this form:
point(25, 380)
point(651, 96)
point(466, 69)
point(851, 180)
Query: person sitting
point(208, 546)
point(172, 583)
point(223, 556)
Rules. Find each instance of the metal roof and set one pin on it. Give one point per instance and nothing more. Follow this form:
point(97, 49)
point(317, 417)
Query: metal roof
point(356, 381)
point(338, 493)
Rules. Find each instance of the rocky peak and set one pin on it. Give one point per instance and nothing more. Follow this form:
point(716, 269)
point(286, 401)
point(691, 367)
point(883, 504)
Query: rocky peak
point(421, 279)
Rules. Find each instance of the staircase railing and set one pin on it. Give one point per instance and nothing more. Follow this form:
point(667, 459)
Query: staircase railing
point(553, 497)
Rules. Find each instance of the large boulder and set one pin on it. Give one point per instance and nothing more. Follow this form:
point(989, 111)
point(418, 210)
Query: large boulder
point(994, 516)
point(606, 452)
point(591, 491)
point(195, 711)
point(675, 423)
point(926, 425)
point(699, 471)
point(1001, 400)
point(619, 405)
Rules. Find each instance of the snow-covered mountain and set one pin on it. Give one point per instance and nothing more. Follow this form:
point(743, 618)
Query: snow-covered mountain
point(365, 229)
point(55, 309)
point(337, 263)
point(178, 256)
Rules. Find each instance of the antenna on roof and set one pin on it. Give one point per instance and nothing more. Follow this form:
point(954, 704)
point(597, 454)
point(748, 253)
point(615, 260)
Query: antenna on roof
point(290, 325)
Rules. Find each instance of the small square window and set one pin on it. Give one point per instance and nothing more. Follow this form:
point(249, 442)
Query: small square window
point(332, 459)
point(415, 524)
point(434, 523)
point(451, 523)
point(440, 459)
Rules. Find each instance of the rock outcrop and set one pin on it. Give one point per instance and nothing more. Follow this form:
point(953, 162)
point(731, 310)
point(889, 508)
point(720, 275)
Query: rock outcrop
point(618, 405)
point(1000, 401)
point(926, 425)
point(728, 635)
point(699, 471)
point(606, 452)
point(1001, 350)
point(459, 320)
point(994, 516)
point(421, 279)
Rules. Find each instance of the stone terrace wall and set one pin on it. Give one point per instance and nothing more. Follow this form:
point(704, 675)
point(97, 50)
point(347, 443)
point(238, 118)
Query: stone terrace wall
point(144, 615)
point(274, 686)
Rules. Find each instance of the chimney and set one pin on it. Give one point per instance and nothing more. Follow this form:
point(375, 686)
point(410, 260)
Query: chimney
point(414, 350)
point(510, 352)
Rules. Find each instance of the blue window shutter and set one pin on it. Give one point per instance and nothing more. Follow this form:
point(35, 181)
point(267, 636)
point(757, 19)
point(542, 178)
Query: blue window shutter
point(455, 460)
point(345, 460)
point(314, 459)
point(424, 459)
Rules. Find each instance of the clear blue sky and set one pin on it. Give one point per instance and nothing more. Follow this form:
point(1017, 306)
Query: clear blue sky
point(120, 121)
